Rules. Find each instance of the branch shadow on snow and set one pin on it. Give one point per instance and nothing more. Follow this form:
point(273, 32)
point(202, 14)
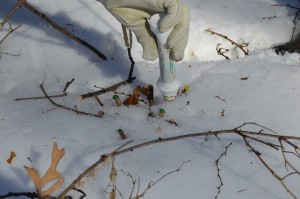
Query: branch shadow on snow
point(117, 64)
point(9, 185)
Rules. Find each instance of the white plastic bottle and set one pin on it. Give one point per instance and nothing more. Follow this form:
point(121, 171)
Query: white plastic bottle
point(167, 82)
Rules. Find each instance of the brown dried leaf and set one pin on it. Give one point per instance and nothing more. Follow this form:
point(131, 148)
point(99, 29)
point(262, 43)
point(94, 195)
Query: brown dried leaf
point(131, 100)
point(136, 93)
point(11, 157)
point(35, 176)
point(50, 175)
point(143, 90)
point(53, 188)
point(148, 91)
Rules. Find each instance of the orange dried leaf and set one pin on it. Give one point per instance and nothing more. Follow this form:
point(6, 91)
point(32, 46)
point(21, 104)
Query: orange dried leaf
point(131, 100)
point(53, 188)
point(50, 175)
point(136, 93)
point(35, 176)
point(11, 157)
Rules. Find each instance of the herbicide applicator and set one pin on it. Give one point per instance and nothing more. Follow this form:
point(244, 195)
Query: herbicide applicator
point(167, 82)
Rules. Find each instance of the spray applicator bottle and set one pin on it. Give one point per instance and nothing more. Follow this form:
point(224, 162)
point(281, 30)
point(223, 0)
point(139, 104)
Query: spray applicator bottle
point(167, 82)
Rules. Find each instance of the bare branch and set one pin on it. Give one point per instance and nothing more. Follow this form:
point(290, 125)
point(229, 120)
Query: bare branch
point(17, 6)
point(64, 107)
point(240, 46)
point(218, 169)
point(11, 30)
point(62, 30)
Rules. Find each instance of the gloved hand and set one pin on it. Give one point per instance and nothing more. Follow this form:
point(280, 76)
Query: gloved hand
point(134, 14)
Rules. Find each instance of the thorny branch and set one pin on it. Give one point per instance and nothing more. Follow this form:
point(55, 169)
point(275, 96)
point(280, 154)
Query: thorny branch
point(153, 183)
point(218, 169)
point(236, 131)
point(244, 134)
point(243, 46)
point(258, 155)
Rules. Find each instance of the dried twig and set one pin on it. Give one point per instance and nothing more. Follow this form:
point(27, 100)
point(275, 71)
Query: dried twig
point(258, 155)
point(103, 159)
point(11, 30)
point(222, 51)
point(218, 169)
point(68, 84)
point(130, 78)
point(240, 46)
point(17, 6)
point(41, 97)
point(80, 191)
point(269, 17)
point(65, 107)
point(220, 98)
point(109, 89)
point(153, 183)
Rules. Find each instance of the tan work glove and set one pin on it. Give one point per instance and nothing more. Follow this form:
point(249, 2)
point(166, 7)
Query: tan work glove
point(134, 14)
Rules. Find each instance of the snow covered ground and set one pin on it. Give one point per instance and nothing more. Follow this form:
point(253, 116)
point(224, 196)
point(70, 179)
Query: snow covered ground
point(263, 88)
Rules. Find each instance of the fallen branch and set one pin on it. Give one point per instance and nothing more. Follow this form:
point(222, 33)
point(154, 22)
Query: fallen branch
point(64, 107)
point(103, 158)
point(17, 6)
point(40, 97)
point(242, 46)
point(258, 155)
point(105, 90)
point(236, 131)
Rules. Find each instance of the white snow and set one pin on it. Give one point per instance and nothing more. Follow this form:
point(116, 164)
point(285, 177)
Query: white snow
point(269, 96)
